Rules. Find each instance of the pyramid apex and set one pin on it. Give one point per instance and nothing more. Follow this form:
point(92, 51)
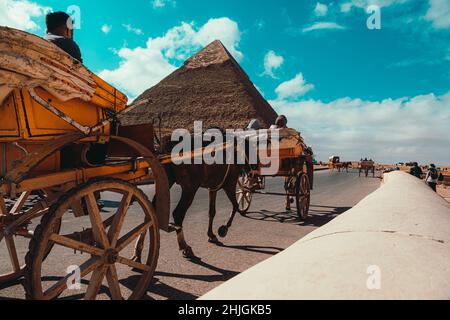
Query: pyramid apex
point(213, 53)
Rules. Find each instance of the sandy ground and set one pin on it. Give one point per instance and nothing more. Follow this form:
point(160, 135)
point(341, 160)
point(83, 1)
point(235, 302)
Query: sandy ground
point(444, 191)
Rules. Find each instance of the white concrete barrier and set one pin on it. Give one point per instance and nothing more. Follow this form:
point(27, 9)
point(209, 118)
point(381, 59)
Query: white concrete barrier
point(395, 244)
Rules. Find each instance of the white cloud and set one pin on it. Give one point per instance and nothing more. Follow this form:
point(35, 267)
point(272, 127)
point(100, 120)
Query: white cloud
point(363, 4)
point(157, 4)
point(346, 6)
point(389, 131)
point(19, 14)
point(321, 10)
point(132, 29)
point(439, 13)
point(143, 67)
point(324, 26)
point(223, 29)
point(294, 88)
point(106, 28)
point(272, 61)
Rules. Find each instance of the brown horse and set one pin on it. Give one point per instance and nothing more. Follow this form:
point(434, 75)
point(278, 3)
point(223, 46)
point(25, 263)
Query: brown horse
point(192, 177)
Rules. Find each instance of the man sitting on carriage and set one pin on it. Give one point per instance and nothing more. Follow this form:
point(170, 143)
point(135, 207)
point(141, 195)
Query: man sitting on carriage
point(60, 32)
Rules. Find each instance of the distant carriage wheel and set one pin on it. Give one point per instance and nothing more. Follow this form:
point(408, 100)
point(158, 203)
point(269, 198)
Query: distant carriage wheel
point(244, 194)
point(302, 195)
point(90, 257)
point(17, 270)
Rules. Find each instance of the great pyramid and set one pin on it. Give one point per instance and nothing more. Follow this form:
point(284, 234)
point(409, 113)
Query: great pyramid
point(211, 87)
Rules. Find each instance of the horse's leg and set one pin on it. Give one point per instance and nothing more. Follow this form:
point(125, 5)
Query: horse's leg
point(139, 246)
point(230, 190)
point(187, 197)
point(212, 213)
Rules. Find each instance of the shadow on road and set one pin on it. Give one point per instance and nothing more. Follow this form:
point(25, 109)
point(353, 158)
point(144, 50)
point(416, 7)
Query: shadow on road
point(172, 293)
point(319, 216)
point(264, 250)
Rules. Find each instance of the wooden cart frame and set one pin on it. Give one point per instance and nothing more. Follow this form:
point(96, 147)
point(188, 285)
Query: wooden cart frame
point(75, 190)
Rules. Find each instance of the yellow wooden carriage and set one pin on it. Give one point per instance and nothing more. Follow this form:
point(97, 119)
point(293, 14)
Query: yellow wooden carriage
point(61, 149)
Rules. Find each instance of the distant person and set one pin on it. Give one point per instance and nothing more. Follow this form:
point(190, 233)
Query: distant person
point(432, 177)
point(416, 171)
point(280, 123)
point(60, 33)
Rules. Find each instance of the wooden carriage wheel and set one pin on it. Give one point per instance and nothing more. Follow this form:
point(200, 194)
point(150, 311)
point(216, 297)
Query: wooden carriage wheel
point(244, 194)
point(18, 270)
point(302, 195)
point(102, 245)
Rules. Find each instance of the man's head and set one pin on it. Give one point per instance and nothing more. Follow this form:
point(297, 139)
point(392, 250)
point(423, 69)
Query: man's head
point(281, 122)
point(60, 24)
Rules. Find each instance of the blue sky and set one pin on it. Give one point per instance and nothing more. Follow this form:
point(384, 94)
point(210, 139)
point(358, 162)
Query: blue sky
point(352, 91)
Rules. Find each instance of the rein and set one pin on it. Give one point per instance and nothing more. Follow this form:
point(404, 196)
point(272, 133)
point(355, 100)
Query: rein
point(223, 181)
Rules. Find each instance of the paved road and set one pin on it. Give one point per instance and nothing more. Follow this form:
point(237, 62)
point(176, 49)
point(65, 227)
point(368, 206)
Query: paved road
point(266, 231)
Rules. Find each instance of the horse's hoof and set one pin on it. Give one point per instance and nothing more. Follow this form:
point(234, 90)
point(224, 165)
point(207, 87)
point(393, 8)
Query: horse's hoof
point(214, 240)
point(223, 231)
point(188, 253)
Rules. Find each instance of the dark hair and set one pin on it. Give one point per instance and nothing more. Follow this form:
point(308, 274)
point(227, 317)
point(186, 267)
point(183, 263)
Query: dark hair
point(281, 121)
point(56, 19)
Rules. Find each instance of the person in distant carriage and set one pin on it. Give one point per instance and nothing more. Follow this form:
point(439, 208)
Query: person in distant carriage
point(60, 32)
point(280, 123)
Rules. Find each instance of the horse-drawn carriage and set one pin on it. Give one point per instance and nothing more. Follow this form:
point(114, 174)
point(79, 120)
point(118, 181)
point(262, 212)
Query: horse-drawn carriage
point(334, 163)
point(61, 150)
point(367, 166)
point(65, 160)
point(295, 165)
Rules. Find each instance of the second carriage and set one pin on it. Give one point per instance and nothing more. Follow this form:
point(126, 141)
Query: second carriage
point(296, 166)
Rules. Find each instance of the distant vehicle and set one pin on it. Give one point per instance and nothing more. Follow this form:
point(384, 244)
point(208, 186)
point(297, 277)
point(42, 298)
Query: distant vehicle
point(366, 166)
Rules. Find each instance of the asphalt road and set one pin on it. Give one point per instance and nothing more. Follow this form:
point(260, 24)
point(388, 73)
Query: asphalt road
point(266, 231)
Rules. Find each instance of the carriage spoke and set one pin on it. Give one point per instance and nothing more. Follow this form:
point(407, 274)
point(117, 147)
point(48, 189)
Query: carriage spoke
point(9, 239)
point(86, 268)
point(20, 202)
point(114, 231)
point(76, 245)
point(133, 264)
point(240, 199)
point(96, 282)
point(113, 283)
point(96, 221)
point(132, 235)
